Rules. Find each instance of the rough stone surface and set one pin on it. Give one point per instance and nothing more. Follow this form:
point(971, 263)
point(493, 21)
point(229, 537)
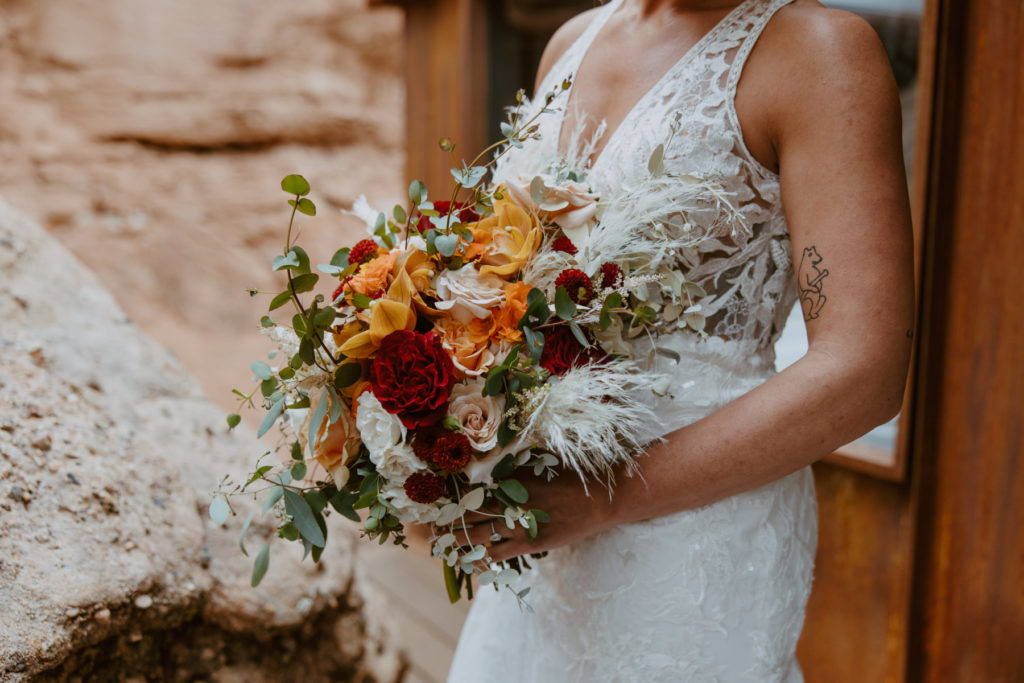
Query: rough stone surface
point(109, 565)
point(150, 138)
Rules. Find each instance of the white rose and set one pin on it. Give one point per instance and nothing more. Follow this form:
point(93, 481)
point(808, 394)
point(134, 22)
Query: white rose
point(468, 294)
point(396, 463)
point(410, 512)
point(378, 428)
point(478, 415)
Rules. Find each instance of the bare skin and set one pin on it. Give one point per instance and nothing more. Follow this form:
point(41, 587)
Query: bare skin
point(818, 105)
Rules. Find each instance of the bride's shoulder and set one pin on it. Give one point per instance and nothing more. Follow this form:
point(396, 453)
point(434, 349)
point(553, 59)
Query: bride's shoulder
point(563, 38)
point(827, 38)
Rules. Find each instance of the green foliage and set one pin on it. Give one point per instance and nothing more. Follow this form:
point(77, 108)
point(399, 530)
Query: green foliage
point(304, 283)
point(261, 369)
point(295, 184)
point(234, 419)
point(220, 510)
point(260, 566)
point(417, 192)
point(564, 305)
point(271, 417)
point(514, 490)
point(280, 300)
point(302, 517)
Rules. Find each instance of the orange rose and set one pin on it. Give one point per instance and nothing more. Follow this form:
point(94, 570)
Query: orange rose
point(470, 353)
point(335, 447)
point(372, 276)
point(503, 325)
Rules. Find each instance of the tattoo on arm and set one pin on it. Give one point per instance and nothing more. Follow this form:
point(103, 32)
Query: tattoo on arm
point(809, 279)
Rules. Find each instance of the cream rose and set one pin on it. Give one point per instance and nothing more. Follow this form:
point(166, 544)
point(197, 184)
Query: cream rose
point(569, 204)
point(467, 294)
point(478, 415)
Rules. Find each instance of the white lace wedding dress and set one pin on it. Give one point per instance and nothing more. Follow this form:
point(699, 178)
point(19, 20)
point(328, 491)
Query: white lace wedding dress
point(715, 594)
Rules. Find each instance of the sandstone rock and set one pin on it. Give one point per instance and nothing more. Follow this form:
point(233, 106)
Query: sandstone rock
point(150, 138)
point(109, 564)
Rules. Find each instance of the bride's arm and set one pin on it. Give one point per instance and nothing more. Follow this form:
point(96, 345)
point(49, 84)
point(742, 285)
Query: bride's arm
point(832, 113)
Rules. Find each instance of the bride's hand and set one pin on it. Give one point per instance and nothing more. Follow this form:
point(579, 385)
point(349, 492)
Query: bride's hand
point(574, 516)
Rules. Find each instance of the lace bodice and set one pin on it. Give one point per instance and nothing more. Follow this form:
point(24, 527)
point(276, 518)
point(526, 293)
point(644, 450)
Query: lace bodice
point(690, 110)
point(714, 594)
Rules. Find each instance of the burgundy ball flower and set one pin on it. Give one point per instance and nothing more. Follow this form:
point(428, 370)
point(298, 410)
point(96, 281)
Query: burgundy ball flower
point(564, 244)
point(562, 351)
point(577, 284)
point(446, 450)
point(412, 377)
point(423, 487)
point(363, 251)
point(611, 275)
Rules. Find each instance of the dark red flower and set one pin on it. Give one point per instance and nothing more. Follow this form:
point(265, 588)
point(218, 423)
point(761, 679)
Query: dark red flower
point(564, 244)
point(577, 284)
point(423, 487)
point(412, 377)
point(611, 275)
point(446, 450)
point(465, 214)
point(363, 251)
point(563, 351)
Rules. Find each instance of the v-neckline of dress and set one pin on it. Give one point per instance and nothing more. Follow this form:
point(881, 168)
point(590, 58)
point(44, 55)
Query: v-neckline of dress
point(582, 47)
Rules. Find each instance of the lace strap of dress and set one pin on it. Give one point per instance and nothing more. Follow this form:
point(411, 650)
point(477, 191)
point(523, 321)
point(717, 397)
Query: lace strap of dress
point(761, 15)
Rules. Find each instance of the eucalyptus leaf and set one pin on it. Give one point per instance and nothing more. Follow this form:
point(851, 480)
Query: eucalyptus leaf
point(271, 501)
point(347, 374)
point(446, 244)
point(305, 282)
point(514, 490)
point(289, 260)
point(280, 300)
point(473, 500)
point(307, 207)
point(564, 305)
point(259, 567)
point(220, 510)
point(271, 417)
point(245, 528)
point(233, 420)
point(299, 470)
point(340, 257)
point(302, 516)
point(261, 369)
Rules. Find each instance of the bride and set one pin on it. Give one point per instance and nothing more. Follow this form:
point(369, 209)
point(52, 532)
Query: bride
point(700, 569)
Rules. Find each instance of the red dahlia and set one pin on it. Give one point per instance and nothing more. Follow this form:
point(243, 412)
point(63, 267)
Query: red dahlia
point(562, 351)
point(577, 284)
point(363, 251)
point(611, 275)
point(412, 377)
point(423, 487)
point(564, 244)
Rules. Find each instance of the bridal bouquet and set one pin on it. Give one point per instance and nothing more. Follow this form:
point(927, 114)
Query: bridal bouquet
point(463, 343)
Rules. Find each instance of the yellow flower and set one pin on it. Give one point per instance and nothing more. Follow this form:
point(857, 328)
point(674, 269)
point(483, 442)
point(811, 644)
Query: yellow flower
point(513, 236)
point(391, 313)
